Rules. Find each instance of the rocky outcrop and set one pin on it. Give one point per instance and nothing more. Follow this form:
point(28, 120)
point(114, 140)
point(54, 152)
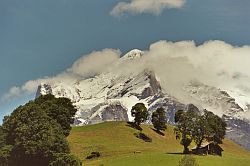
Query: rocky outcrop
point(238, 131)
point(213, 99)
point(43, 89)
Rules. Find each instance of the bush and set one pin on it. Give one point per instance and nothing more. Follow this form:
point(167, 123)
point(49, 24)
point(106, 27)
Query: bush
point(64, 159)
point(188, 160)
point(93, 155)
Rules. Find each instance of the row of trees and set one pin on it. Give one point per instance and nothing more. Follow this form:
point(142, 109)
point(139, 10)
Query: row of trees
point(158, 118)
point(191, 125)
point(35, 134)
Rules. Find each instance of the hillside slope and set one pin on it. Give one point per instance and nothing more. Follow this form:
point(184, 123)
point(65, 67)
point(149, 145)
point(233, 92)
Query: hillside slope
point(118, 146)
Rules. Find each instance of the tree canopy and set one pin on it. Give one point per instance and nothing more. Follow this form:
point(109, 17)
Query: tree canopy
point(197, 127)
point(140, 112)
point(159, 119)
point(60, 109)
point(184, 127)
point(31, 135)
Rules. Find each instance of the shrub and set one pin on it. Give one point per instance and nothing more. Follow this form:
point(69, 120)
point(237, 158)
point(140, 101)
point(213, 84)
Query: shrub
point(93, 155)
point(188, 160)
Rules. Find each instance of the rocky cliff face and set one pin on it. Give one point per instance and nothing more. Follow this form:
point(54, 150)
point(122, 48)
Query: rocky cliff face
point(105, 98)
point(110, 97)
point(212, 98)
point(238, 131)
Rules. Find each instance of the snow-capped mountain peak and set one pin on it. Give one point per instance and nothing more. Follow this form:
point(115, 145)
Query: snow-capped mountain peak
point(110, 96)
point(133, 54)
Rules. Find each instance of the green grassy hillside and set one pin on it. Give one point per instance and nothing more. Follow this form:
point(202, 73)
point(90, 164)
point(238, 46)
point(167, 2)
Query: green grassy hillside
point(119, 147)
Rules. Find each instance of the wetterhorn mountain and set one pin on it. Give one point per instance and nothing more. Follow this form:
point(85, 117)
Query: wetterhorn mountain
point(109, 96)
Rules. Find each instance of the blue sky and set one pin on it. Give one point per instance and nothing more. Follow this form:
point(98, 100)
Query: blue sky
point(43, 38)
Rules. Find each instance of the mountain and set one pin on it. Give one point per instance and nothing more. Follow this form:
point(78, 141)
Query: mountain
point(110, 96)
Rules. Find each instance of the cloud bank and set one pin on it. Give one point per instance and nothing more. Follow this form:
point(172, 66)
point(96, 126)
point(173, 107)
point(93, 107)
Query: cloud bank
point(145, 6)
point(87, 66)
point(213, 63)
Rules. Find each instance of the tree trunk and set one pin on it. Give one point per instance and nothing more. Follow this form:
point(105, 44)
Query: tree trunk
point(186, 150)
point(197, 148)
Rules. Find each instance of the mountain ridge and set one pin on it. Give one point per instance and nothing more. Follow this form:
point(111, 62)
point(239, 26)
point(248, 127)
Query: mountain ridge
point(110, 96)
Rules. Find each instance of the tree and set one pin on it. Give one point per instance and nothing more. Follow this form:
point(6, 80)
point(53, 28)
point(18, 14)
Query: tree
point(197, 127)
point(208, 127)
point(4, 149)
point(216, 127)
point(35, 132)
point(200, 130)
point(64, 159)
point(5, 154)
point(188, 160)
point(2, 137)
point(34, 136)
point(185, 124)
point(140, 112)
point(159, 119)
point(60, 109)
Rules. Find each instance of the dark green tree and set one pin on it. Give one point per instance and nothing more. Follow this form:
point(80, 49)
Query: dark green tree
point(64, 159)
point(140, 112)
point(216, 127)
point(200, 130)
point(208, 127)
point(197, 127)
point(184, 126)
point(4, 149)
point(2, 137)
point(5, 152)
point(60, 109)
point(34, 136)
point(159, 119)
point(35, 132)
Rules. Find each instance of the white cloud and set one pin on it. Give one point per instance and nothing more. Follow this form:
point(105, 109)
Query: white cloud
point(95, 62)
point(86, 66)
point(145, 6)
point(14, 91)
point(214, 63)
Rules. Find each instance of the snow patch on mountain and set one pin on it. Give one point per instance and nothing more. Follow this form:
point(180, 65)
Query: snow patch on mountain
point(132, 55)
point(93, 96)
point(111, 95)
point(219, 101)
point(242, 99)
